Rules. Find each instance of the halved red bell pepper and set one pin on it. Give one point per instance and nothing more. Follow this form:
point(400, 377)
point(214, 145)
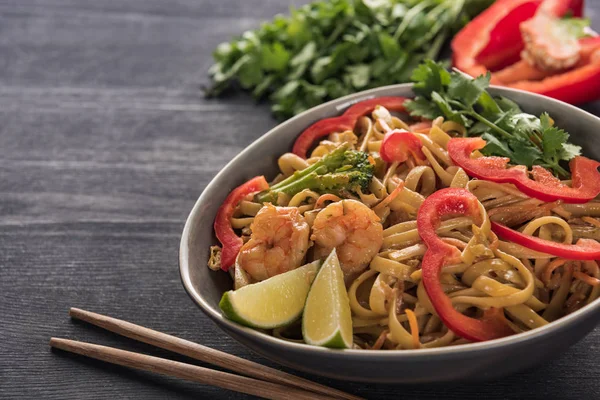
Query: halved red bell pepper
point(398, 145)
point(232, 243)
point(584, 249)
point(439, 254)
point(493, 39)
point(584, 173)
point(344, 122)
point(575, 86)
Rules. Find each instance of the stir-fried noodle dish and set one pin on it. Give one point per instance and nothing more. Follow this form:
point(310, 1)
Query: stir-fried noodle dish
point(438, 243)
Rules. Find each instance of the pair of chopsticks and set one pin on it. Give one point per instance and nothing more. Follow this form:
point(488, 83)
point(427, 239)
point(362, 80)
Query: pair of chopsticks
point(269, 383)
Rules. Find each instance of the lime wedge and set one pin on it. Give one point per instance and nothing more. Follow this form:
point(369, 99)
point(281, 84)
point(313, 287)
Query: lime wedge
point(327, 320)
point(272, 303)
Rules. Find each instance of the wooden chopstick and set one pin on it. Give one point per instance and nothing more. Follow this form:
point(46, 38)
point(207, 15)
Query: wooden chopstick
point(205, 354)
point(267, 390)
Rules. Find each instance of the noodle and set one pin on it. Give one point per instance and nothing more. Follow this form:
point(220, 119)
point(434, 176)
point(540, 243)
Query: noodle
point(388, 300)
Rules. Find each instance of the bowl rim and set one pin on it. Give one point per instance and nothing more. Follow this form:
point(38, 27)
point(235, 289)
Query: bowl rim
point(266, 339)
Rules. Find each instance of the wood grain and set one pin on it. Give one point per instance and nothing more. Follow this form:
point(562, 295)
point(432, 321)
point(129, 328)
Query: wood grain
point(105, 144)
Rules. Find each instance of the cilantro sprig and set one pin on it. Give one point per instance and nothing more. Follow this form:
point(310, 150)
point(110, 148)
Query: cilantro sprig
point(331, 48)
point(509, 132)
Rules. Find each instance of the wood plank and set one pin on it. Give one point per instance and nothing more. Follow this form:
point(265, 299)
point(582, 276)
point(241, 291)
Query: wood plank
point(105, 144)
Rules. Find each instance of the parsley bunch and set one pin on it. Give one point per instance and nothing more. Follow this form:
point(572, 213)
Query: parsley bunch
point(509, 132)
point(331, 48)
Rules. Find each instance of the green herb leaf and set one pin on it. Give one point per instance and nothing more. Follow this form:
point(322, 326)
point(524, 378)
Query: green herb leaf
point(569, 151)
point(250, 75)
point(274, 57)
point(339, 46)
point(552, 138)
point(421, 107)
point(495, 147)
point(466, 89)
point(389, 47)
point(524, 138)
point(429, 77)
point(489, 107)
point(286, 91)
point(524, 153)
point(525, 126)
point(305, 55)
point(319, 70)
point(358, 75)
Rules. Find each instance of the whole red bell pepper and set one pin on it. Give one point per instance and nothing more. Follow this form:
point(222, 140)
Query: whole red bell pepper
point(232, 243)
point(398, 145)
point(344, 122)
point(451, 201)
point(493, 39)
point(584, 173)
point(584, 249)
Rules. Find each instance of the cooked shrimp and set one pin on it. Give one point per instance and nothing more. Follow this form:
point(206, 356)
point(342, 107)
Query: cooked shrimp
point(278, 243)
point(353, 229)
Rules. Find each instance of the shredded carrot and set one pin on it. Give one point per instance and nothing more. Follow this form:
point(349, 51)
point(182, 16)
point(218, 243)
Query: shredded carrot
point(591, 221)
point(496, 316)
point(390, 197)
point(380, 341)
point(418, 159)
point(326, 197)
point(547, 274)
point(414, 327)
point(590, 280)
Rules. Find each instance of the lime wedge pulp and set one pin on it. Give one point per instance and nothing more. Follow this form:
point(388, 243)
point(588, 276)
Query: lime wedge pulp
point(274, 302)
point(327, 319)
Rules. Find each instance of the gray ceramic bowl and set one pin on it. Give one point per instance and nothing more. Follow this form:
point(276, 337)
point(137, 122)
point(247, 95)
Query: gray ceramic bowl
point(479, 360)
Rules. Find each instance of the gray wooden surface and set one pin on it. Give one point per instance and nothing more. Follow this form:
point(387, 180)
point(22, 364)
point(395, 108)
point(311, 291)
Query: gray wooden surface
point(105, 144)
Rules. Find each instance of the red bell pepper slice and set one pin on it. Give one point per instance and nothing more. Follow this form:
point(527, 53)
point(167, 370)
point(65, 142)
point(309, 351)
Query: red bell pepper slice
point(575, 86)
point(231, 242)
point(584, 249)
point(493, 39)
point(398, 145)
point(344, 122)
point(318, 130)
point(584, 173)
point(439, 254)
point(392, 103)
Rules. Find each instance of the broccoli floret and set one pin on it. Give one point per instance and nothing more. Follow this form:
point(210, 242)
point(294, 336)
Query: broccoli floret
point(340, 172)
